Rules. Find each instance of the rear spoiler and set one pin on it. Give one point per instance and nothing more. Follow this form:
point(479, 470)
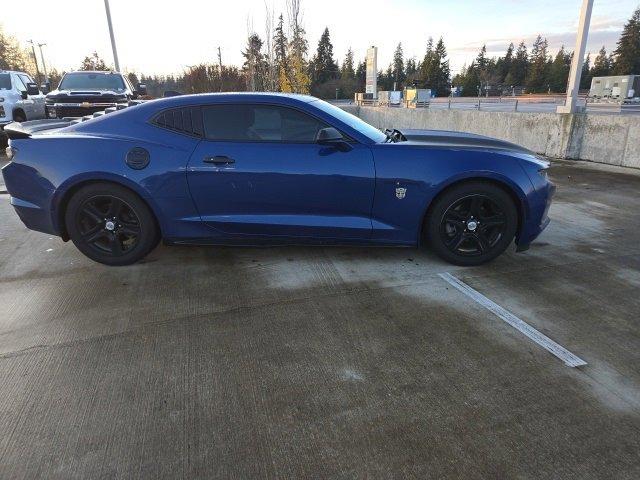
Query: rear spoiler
point(16, 130)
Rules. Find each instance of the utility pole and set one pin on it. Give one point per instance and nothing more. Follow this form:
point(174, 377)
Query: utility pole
point(578, 58)
point(44, 65)
point(35, 60)
point(113, 38)
point(220, 61)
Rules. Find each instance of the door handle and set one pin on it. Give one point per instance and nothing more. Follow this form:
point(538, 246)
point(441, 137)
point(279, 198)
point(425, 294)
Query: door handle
point(219, 160)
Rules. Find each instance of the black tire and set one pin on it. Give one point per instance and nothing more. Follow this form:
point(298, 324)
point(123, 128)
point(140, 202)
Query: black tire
point(487, 208)
point(110, 224)
point(19, 117)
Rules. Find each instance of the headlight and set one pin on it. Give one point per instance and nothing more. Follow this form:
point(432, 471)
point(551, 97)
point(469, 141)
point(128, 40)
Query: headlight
point(11, 152)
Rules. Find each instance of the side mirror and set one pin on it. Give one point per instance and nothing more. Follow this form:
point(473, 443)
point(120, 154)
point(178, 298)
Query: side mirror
point(45, 87)
point(331, 137)
point(23, 94)
point(142, 89)
point(32, 89)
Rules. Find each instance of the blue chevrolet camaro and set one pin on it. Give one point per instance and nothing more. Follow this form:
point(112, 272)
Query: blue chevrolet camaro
point(255, 169)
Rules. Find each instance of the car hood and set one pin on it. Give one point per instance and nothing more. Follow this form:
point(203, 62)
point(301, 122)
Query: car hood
point(449, 139)
point(85, 92)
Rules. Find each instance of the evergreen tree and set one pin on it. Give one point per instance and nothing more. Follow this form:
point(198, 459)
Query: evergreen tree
point(427, 66)
point(347, 71)
point(602, 64)
point(94, 62)
point(255, 65)
point(503, 64)
point(298, 79)
point(519, 67)
point(442, 77)
point(585, 78)
point(559, 71)
point(361, 75)
point(323, 67)
point(411, 72)
point(627, 53)
point(398, 68)
point(280, 50)
point(538, 66)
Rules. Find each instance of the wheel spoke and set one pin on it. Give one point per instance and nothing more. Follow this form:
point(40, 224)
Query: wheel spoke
point(130, 229)
point(483, 244)
point(493, 220)
point(96, 233)
point(115, 207)
point(476, 203)
point(116, 247)
point(92, 212)
point(455, 241)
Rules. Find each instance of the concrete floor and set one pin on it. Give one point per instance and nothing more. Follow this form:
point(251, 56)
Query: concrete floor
point(327, 362)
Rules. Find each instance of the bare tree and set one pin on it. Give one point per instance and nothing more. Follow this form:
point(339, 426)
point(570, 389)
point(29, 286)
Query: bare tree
point(271, 82)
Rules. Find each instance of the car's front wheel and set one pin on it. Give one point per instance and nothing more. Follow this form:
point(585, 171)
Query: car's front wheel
point(472, 223)
point(110, 224)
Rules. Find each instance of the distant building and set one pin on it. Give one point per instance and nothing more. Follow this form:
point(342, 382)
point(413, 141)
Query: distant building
point(619, 88)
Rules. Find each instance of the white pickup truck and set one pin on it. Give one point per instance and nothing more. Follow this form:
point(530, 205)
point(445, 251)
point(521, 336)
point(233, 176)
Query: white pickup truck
point(20, 99)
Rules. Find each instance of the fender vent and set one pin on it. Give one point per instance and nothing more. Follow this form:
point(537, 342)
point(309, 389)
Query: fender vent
point(137, 158)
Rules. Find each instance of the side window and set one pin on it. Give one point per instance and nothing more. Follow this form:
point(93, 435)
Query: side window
point(25, 78)
point(264, 123)
point(19, 84)
point(182, 120)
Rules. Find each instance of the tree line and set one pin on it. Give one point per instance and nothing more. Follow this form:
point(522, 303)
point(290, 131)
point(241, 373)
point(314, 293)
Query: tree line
point(279, 60)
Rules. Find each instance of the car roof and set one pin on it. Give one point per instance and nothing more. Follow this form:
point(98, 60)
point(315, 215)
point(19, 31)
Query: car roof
point(95, 72)
point(226, 97)
point(13, 71)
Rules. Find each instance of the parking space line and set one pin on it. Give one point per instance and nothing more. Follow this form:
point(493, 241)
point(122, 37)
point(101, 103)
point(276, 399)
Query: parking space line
point(545, 342)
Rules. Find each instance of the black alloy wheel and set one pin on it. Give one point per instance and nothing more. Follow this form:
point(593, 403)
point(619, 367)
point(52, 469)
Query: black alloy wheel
point(111, 224)
point(472, 223)
point(108, 225)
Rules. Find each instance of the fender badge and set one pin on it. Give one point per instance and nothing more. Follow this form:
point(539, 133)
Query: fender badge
point(401, 192)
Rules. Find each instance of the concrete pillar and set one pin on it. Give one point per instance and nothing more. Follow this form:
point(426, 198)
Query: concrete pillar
point(578, 59)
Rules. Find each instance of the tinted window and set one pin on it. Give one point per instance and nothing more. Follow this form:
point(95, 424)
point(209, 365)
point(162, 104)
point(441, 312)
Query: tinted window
point(5, 81)
point(351, 120)
point(98, 81)
point(184, 120)
point(259, 123)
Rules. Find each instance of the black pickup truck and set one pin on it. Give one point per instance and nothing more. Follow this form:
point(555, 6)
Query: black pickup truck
point(83, 93)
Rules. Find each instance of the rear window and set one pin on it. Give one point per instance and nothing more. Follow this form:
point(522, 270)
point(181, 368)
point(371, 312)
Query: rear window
point(182, 120)
point(92, 81)
point(5, 81)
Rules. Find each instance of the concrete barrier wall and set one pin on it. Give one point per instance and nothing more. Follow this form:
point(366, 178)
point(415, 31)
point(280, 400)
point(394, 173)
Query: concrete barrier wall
point(611, 139)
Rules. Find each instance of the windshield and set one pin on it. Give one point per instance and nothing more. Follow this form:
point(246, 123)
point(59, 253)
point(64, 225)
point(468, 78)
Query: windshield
point(351, 120)
point(92, 81)
point(5, 81)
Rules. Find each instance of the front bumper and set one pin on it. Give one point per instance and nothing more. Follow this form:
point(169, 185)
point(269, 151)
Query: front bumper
point(61, 110)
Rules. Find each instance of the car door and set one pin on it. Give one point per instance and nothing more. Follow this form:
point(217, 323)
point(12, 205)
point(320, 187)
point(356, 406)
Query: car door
point(259, 171)
point(38, 110)
point(25, 104)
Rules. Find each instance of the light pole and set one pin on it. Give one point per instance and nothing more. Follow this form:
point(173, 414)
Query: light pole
point(44, 65)
point(571, 103)
point(113, 38)
point(35, 59)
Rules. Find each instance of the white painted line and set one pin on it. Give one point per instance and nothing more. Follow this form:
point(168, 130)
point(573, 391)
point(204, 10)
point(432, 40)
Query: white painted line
point(545, 342)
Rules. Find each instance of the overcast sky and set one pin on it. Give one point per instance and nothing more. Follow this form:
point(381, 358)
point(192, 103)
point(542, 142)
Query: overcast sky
point(154, 37)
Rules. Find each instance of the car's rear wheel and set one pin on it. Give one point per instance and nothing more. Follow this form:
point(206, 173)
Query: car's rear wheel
point(110, 224)
point(472, 223)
